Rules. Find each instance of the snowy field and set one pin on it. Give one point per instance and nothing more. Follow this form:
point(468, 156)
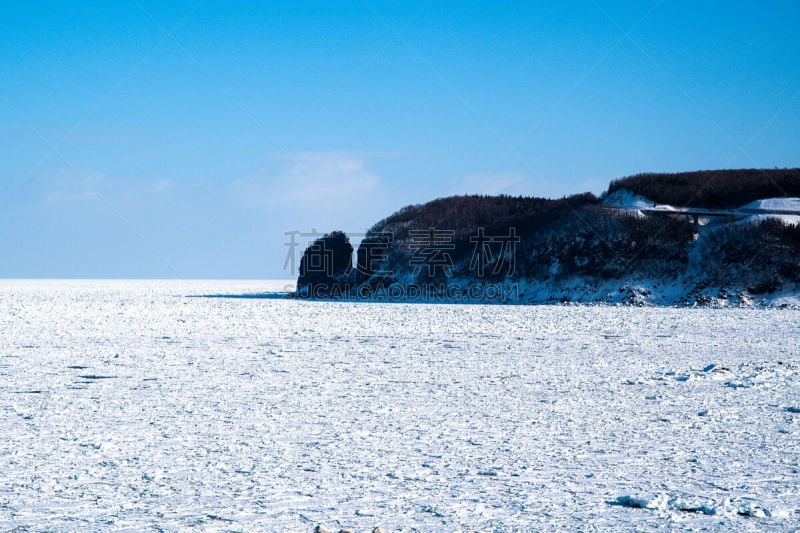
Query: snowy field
point(130, 406)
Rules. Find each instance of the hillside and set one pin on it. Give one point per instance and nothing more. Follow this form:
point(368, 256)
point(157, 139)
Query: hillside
point(624, 247)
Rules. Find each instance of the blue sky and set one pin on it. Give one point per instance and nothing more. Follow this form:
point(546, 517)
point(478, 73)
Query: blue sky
point(154, 139)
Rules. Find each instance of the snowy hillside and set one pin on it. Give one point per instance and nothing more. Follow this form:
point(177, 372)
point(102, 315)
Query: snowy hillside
point(625, 199)
point(783, 209)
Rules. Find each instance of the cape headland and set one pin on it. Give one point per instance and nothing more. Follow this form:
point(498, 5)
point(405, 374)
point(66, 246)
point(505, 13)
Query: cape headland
point(705, 238)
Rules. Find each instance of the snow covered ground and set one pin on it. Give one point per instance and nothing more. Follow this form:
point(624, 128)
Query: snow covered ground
point(130, 406)
point(786, 205)
point(785, 209)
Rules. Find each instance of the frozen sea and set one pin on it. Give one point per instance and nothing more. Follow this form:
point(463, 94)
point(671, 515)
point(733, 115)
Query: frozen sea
point(142, 405)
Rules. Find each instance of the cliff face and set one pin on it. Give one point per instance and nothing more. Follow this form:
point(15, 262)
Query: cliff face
point(614, 249)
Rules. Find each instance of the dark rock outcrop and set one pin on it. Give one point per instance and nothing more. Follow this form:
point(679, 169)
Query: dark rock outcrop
point(326, 268)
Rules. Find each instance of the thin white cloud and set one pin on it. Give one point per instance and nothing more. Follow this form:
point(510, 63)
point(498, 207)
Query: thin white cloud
point(162, 185)
point(69, 186)
point(363, 155)
point(308, 180)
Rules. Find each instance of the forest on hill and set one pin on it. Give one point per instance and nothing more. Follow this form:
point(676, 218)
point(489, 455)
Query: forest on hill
point(719, 189)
